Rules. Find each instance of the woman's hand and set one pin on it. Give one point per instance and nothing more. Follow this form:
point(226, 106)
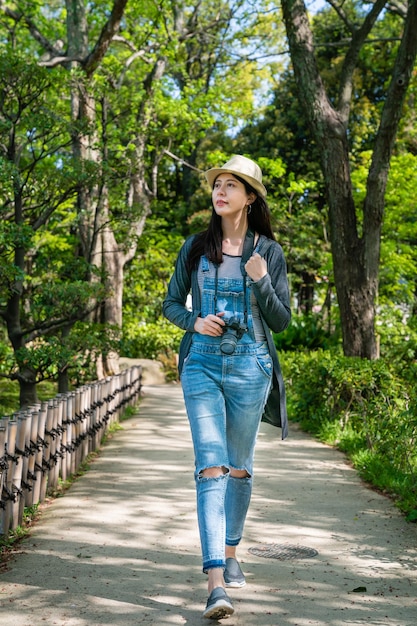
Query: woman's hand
point(256, 267)
point(210, 325)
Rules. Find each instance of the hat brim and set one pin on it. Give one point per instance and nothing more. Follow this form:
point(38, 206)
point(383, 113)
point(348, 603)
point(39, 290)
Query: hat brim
point(212, 174)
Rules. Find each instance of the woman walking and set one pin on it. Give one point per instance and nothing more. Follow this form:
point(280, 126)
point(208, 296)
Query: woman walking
point(230, 374)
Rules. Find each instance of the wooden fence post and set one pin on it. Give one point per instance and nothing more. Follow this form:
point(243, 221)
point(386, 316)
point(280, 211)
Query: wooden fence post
point(53, 444)
point(103, 410)
point(16, 467)
point(3, 471)
point(66, 443)
point(124, 386)
point(51, 440)
point(39, 440)
point(77, 429)
point(98, 403)
point(56, 471)
point(48, 451)
point(11, 460)
point(30, 476)
point(86, 403)
point(72, 426)
point(25, 451)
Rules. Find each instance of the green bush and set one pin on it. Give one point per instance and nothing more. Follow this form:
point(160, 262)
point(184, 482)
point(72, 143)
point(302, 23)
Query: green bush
point(365, 408)
point(307, 332)
point(399, 343)
point(157, 341)
point(149, 341)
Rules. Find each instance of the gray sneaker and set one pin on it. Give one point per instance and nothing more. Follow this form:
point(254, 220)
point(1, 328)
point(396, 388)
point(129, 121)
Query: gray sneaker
point(233, 575)
point(219, 605)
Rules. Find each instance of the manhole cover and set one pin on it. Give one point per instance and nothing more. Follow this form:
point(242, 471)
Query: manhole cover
point(283, 552)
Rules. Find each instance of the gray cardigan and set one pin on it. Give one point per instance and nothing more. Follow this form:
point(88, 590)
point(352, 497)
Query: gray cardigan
point(272, 295)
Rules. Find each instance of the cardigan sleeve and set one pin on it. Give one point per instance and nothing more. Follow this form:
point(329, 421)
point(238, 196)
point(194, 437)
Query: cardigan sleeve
point(272, 291)
point(174, 306)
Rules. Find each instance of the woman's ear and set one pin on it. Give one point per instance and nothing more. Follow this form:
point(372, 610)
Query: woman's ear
point(251, 198)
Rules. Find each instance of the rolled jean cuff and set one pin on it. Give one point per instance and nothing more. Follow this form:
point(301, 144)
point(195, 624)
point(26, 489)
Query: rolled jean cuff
point(233, 542)
point(213, 564)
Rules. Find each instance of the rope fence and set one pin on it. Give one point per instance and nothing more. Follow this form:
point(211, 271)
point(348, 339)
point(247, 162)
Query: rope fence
point(49, 441)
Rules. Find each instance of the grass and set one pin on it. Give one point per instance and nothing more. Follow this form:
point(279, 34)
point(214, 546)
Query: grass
point(364, 408)
point(9, 542)
point(9, 394)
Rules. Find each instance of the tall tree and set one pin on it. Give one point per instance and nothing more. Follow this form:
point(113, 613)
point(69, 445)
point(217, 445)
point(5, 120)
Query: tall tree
point(40, 296)
point(355, 246)
point(98, 240)
point(80, 49)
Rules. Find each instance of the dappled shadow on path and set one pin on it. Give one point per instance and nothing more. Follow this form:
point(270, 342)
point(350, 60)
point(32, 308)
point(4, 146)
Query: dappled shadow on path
point(121, 547)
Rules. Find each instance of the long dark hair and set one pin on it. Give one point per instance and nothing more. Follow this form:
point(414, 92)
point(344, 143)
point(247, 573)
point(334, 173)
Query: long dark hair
point(209, 242)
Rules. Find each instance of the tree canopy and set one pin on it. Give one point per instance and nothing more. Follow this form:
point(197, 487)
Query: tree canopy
point(110, 111)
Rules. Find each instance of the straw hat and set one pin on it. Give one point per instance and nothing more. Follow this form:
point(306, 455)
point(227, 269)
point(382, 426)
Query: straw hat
point(242, 167)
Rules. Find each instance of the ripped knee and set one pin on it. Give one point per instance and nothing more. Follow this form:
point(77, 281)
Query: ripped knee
point(239, 473)
point(213, 472)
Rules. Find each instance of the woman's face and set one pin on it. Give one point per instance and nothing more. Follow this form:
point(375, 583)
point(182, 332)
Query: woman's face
point(229, 196)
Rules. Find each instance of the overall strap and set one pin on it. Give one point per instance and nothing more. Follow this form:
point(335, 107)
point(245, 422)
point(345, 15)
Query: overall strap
point(246, 254)
point(205, 266)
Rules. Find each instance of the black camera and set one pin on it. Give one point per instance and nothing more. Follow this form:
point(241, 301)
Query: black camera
point(232, 332)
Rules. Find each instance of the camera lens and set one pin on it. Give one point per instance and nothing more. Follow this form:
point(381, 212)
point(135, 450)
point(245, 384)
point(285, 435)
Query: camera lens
point(228, 342)
point(233, 331)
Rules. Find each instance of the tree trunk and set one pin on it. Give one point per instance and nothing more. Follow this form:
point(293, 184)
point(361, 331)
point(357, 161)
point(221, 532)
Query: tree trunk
point(26, 376)
point(306, 294)
point(356, 284)
point(63, 380)
point(356, 287)
point(27, 395)
point(98, 243)
point(355, 257)
point(113, 262)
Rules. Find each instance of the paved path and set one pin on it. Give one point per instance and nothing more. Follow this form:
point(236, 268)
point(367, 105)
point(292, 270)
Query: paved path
point(121, 547)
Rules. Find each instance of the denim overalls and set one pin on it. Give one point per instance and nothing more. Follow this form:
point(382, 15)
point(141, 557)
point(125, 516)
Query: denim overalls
point(225, 397)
